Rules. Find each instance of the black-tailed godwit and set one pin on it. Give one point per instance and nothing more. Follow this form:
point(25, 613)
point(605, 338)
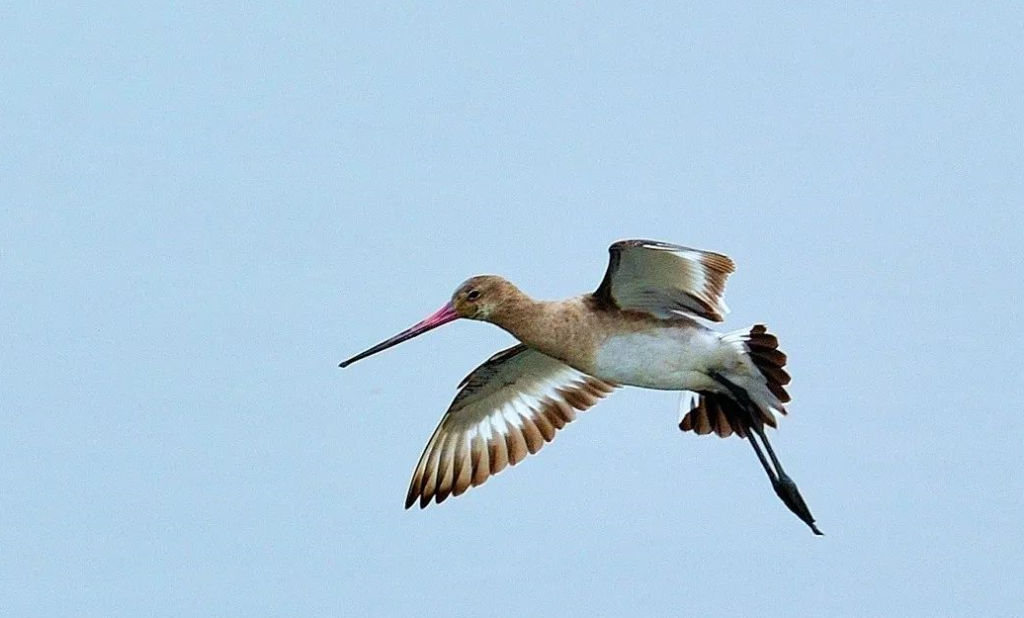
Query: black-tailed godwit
point(639, 328)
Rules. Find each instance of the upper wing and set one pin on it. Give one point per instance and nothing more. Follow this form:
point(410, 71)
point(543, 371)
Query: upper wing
point(665, 280)
point(507, 408)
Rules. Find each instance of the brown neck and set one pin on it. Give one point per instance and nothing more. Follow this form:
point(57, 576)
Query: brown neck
point(518, 314)
point(550, 327)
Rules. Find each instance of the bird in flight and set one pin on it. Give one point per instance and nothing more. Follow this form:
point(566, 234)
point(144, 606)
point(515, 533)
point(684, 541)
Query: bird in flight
point(639, 328)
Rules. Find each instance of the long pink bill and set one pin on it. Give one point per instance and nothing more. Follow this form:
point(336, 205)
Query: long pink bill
point(440, 317)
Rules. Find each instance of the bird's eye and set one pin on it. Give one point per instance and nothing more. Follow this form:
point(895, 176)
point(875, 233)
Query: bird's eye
point(473, 295)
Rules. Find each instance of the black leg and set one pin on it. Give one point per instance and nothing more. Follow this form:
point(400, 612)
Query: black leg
point(786, 489)
point(764, 462)
point(783, 485)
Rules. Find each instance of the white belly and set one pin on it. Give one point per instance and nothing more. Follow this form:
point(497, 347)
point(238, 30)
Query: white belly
point(667, 359)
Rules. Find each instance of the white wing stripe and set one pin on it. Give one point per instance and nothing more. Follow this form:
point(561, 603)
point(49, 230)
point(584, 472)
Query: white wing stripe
point(509, 408)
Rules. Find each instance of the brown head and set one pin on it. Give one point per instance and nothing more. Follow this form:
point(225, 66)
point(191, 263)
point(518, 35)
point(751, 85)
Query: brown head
point(478, 298)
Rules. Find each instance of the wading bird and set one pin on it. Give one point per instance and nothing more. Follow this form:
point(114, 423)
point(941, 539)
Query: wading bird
point(639, 328)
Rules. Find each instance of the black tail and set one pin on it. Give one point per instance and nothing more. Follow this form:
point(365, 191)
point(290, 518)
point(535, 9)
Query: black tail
point(720, 413)
point(763, 348)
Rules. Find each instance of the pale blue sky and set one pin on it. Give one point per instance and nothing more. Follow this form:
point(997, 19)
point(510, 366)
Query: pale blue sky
point(206, 206)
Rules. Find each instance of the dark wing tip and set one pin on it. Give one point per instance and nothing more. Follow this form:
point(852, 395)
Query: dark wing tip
point(603, 294)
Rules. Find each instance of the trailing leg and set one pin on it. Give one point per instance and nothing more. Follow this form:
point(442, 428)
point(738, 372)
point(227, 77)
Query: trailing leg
point(753, 390)
point(783, 485)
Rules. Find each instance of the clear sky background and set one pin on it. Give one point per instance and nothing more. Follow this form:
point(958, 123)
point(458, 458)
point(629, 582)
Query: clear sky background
point(204, 207)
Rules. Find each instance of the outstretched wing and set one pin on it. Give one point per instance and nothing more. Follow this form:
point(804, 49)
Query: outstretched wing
point(665, 280)
point(506, 409)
